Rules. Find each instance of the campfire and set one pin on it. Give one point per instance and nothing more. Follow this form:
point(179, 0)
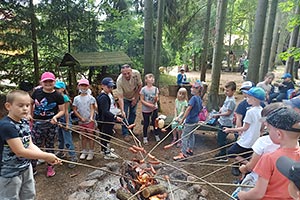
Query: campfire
point(138, 179)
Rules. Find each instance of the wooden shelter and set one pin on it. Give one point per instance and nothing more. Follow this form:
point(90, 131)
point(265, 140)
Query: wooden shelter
point(96, 59)
point(91, 59)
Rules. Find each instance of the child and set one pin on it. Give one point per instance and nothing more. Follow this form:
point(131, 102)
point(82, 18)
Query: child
point(290, 169)
point(48, 107)
point(149, 98)
point(191, 121)
point(250, 131)
point(267, 84)
point(283, 87)
point(284, 129)
point(261, 146)
point(106, 116)
point(180, 106)
point(16, 174)
point(84, 109)
point(225, 119)
point(64, 134)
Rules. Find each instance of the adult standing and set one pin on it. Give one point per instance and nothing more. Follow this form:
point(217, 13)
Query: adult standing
point(129, 84)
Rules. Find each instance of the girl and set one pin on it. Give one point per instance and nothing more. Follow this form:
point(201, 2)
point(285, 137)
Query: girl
point(84, 109)
point(180, 106)
point(48, 107)
point(149, 98)
point(190, 118)
point(64, 134)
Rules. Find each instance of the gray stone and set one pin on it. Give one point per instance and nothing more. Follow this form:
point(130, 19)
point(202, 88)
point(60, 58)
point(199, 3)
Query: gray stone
point(97, 174)
point(87, 184)
point(79, 196)
point(113, 166)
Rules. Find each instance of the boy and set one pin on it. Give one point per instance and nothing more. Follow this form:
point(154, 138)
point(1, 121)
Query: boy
point(190, 119)
point(283, 87)
point(284, 129)
point(291, 170)
point(16, 149)
point(104, 102)
point(225, 119)
point(250, 131)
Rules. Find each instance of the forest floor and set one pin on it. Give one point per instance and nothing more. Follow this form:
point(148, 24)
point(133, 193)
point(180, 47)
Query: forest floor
point(64, 183)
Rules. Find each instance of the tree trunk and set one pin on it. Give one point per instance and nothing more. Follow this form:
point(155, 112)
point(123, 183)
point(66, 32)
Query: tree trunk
point(34, 44)
point(217, 54)
point(281, 42)
point(148, 37)
point(296, 64)
point(158, 40)
point(293, 43)
point(268, 40)
point(257, 39)
point(274, 42)
point(203, 59)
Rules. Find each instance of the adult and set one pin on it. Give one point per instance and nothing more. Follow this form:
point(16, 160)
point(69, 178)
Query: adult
point(129, 84)
point(181, 77)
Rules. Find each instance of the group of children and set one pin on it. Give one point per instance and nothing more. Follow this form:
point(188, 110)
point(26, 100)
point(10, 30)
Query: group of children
point(19, 144)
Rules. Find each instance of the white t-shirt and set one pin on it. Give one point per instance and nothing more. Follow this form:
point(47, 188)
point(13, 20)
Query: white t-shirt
point(264, 145)
point(83, 104)
point(252, 117)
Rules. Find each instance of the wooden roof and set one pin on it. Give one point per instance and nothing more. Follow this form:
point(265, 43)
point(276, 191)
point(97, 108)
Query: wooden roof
point(87, 59)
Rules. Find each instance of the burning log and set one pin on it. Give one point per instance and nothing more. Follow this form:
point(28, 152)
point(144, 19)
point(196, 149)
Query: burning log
point(153, 190)
point(124, 195)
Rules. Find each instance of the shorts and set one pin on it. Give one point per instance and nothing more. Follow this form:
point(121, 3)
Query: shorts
point(175, 124)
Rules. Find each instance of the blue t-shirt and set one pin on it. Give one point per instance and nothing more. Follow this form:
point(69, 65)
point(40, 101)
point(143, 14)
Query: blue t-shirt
point(196, 104)
point(10, 164)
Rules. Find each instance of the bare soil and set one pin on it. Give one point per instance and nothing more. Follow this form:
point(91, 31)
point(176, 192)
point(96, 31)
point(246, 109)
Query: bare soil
point(66, 180)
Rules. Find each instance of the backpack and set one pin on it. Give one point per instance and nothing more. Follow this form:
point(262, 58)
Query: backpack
point(203, 114)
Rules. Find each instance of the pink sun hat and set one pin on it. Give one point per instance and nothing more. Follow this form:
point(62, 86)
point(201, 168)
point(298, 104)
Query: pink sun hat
point(47, 76)
point(83, 82)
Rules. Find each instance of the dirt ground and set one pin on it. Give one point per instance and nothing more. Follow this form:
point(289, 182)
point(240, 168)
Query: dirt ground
point(66, 180)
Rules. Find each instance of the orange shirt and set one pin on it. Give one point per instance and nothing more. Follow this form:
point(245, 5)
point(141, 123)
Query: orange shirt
point(266, 168)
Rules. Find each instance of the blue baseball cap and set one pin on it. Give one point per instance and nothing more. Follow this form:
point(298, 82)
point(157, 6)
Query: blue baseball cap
point(59, 85)
point(294, 102)
point(197, 84)
point(286, 75)
point(108, 82)
point(256, 92)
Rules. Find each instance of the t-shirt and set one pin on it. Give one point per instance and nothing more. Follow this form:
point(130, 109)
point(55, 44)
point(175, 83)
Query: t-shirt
point(10, 164)
point(229, 104)
point(129, 88)
point(249, 136)
point(180, 106)
point(244, 106)
point(83, 104)
point(46, 104)
point(266, 168)
point(149, 94)
point(196, 104)
point(266, 87)
point(264, 145)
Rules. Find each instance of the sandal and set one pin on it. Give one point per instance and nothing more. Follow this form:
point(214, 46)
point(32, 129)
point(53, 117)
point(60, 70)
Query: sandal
point(179, 157)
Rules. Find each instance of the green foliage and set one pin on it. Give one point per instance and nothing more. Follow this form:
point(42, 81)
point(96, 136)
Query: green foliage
point(166, 79)
point(293, 52)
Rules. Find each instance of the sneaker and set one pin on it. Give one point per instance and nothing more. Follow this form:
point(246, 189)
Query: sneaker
point(40, 161)
point(83, 155)
point(145, 141)
point(189, 152)
point(60, 154)
point(221, 158)
point(73, 165)
point(50, 171)
point(110, 156)
point(235, 171)
point(179, 157)
point(90, 155)
point(157, 138)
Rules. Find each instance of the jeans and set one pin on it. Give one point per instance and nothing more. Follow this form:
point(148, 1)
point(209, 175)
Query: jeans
point(279, 97)
point(65, 137)
point(188, 138)
point(221, 139)
point(130, 112)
